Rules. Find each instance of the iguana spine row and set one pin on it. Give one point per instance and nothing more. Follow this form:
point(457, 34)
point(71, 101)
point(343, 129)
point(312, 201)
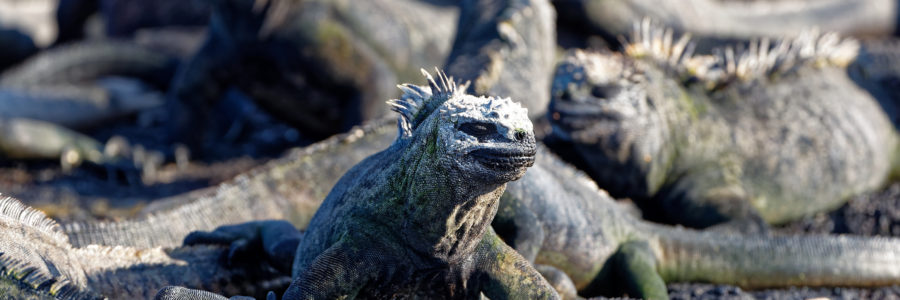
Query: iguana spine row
point(761, 59)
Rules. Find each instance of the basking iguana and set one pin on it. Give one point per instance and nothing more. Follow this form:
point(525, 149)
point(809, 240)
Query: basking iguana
point(509, 34)
point(775, 132)
point(413, 220)
point(321, 65)
point(291, 189)
point(37, 262)
point(554, 216)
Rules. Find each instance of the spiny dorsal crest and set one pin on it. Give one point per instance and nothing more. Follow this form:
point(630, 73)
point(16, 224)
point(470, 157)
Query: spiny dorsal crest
point(759, 60)
point(599, 68)
point(653, 41)
point(14, 212)
point(417, 102)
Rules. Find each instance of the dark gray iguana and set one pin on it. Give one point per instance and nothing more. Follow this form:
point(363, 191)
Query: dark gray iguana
point(413, 220)
point(554, 215)
point(510, 35)
point(776, 132)
point(37, 262)
point(294, 185)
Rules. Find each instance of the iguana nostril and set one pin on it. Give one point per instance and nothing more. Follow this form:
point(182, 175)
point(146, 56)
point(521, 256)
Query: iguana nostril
point(520, 135)
point(599, 92)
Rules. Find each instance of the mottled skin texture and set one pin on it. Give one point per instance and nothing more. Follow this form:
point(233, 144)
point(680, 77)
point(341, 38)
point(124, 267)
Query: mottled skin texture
point(321, 66)
point(554, 216)
point(742, 20)
point(440, 182)
point(605, 250)
point(775, 149)
point(37, 262)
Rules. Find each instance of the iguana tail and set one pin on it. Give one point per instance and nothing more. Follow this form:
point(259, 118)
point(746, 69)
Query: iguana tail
point(37, 262)
point(779, 261)
point(289, 188)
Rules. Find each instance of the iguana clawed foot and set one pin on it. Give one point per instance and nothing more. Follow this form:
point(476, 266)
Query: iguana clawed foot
point(276, 240)
point(177, 292)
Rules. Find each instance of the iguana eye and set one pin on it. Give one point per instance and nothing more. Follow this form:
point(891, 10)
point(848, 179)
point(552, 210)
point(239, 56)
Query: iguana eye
point(478, 129)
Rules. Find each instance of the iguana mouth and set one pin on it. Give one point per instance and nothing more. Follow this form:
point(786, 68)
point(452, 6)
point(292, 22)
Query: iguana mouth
point(581, 116)
point(504, 159)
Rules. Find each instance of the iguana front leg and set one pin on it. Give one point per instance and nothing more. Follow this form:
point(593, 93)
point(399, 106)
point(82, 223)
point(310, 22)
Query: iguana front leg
point(637, 266)
point(507, 275)
point(338, 273)
point(276, 240)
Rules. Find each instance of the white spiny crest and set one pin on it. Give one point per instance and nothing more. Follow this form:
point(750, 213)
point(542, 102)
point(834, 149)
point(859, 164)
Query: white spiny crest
point(653, 41)
point(760, 59)
point(14, 212)
point(417, 102)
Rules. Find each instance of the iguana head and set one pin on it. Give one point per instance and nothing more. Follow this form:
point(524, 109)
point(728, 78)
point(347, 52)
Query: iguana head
point(604, 106)
point(488, 139)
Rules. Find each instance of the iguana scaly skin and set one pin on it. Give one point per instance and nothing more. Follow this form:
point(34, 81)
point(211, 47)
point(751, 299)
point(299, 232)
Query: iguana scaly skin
point(779, 132)
point(37, 262)
point(295, 184)
point(321, 66)
point(293, 187)
point(413, 220)
point(554, 216)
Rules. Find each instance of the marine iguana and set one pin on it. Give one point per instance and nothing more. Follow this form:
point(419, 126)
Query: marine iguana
point(321, 66)
point(236, 201)
point(774, 132)
point(37, 262)
point(292, 182)
point(440, 182)
point(296, 183)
